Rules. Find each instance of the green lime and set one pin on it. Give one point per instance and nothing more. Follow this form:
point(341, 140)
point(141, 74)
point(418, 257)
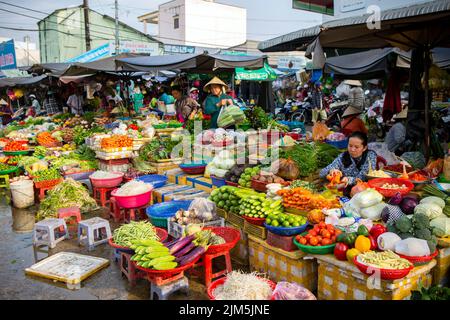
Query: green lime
point(286, 224)
point(275, 223)
point(296, 224)
point(268, 221)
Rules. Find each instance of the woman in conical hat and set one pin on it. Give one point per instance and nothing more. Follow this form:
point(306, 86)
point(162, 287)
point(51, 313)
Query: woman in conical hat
point(216, 99)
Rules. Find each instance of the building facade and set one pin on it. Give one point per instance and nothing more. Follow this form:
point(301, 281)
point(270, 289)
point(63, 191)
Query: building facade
point(62, 34)
point(199, 23)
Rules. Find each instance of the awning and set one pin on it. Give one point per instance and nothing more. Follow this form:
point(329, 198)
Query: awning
point(441, 58)
point(263, 74)
point(21, 81)
point(404, 27)
point(55, 69)
point(197, 63)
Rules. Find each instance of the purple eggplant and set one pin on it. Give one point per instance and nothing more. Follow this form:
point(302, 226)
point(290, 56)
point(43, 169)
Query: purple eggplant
point(192, 256)
point(181, 243)
point(170, 243)
point(185, 250)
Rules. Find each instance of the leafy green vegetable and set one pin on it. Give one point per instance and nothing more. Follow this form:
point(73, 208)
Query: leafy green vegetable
point(326, 153)
point(257, 117)
point(305, 156)
point(431, 293)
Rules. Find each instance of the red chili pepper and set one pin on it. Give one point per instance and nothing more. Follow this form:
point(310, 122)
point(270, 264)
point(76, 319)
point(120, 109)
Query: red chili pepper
point(373, 243)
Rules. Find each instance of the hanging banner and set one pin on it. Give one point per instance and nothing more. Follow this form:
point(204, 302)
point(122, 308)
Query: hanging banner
point(100, 52)
point(320, 6)
point(7, 55)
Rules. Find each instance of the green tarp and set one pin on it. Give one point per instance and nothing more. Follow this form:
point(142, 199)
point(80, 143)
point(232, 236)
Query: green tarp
point(264, 74)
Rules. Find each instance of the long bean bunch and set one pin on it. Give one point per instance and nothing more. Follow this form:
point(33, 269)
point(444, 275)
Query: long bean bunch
point(142, 230)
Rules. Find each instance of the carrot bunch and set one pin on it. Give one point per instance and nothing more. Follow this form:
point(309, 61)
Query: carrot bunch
point(45, 138)
point(15, 146)
point(117, 141)
point(305, 200)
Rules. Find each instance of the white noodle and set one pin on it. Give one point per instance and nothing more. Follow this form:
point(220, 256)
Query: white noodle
point(241, 286)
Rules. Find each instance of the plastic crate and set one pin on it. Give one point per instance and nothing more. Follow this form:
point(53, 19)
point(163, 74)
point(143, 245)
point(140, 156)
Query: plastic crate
point(285, 243)
point(177, 230)
point(254, 230)
point(235, 220)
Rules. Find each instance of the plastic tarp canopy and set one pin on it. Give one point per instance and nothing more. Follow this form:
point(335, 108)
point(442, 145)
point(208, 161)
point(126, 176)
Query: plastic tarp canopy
point(440, 57)
point(197, 63)
point(54, 69)
point(21, 81)
point(263, 74)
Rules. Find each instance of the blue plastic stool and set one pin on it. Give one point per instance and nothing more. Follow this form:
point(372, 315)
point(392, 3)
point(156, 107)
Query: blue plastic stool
point(164, 291)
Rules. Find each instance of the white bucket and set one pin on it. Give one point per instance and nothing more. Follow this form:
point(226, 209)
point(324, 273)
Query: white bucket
point(22, 193)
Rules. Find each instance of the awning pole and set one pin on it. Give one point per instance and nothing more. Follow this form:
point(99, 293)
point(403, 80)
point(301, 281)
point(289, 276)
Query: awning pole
point(427, 116)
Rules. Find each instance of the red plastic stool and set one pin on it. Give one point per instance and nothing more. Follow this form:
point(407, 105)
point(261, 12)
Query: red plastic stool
point(206, 263)
point(69, 213)
point(129, 270)
point(41, 192)
point(101, 195)
point(114, 210)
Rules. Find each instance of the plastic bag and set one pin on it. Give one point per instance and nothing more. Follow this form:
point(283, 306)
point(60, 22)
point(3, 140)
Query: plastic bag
point(387, 241)
point(343, 90)
point(292, 291)
point(367, 198)
point(382, 150)
point(229, 116)
point(320, 131)
point(412, 247)
point(205, 209)
point(373, 212)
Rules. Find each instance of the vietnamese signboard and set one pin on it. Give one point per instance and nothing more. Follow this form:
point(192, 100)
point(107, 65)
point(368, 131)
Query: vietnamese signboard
point(100, 52)
point(319, 6)
point(174, 48)
point(352, 5)
point(291, 63)
point(7, 55)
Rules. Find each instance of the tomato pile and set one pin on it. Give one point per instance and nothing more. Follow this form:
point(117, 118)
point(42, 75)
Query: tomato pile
point(321, 234)
point(15, 146)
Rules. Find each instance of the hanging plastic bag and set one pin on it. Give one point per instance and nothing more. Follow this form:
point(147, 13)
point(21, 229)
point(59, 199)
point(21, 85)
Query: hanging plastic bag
point(229, 116)
point(291, 291)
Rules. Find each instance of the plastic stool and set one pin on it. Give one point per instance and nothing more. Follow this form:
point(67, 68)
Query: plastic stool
point(45, 234)
point(129, 270)
point(101, 194)
point(42, 192)
point(127, 214)
point(114, 211)
point(88, 184)
point(68, 213)
point(206, 263)
point(164, 291)
point(90, 230)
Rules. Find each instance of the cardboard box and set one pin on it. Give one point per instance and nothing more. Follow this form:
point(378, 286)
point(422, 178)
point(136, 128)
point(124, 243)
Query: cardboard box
point(162, 194)
point(176, 176)
point(200, 182)
point(281, 265)
point(342, 280)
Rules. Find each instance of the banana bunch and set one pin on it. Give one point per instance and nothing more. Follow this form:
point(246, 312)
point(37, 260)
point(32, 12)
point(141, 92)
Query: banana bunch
point(152, 254)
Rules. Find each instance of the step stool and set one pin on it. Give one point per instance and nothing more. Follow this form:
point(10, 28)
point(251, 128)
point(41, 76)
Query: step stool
point(45, 232)
point(164, 291)
point(41, 192)
point(206, 263)
point(4, 187)
point(90, 232)
point(118, 213)
point(101, 195)
point(68, 213)
point(129, 270)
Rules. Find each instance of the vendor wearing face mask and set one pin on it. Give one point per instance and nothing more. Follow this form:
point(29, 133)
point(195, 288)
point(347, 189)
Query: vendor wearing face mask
point(216, 99)
point(353, 163)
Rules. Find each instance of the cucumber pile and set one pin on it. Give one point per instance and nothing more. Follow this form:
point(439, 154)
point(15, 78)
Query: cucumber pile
point(229, 198)
point(152, 254)
point(260, 207)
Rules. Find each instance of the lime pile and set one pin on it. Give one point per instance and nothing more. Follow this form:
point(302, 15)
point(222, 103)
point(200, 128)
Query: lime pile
point(285, 220)
point(246, 176)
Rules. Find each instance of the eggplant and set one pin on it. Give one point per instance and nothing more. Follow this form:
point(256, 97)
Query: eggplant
point(181, 243)
point(192, 256)
point(185, 250)
point(170, 243)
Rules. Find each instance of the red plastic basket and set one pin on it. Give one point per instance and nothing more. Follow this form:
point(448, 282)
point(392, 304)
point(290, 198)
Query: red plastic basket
point(378, 183)
point(47, 183)
point(233, 184)
point(255, 221)
point(230, 235)
point(194, 170)
point(219, 282)
point(420, 260)
point(385, 274)
point(258, 185)
point(133, 201)
point(167, 273)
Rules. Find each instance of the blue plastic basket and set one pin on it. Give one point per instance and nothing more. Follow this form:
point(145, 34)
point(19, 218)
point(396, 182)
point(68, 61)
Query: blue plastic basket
point(160, 212)
point(156, 180)
point(218, 182)
point(338, 144)
point(290, 231)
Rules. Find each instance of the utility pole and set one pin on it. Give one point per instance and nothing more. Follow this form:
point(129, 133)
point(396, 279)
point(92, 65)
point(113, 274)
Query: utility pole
point(86, 25)
point(26, 39)
point(116, 6)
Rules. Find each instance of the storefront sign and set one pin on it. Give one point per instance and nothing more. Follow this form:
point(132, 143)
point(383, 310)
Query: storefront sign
point(173, 48)
point(352, 5)
point(320, 6)
point(138, 47)
point(291, 63)
point(94, 54)
point(7, 55)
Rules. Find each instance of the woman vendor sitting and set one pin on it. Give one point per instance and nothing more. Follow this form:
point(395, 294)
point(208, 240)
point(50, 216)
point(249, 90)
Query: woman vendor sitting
point(353, 163)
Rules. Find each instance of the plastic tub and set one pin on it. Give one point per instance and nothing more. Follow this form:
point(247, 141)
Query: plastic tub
point(133, 201)
point(338, 144)
point(193, 168)
point(315, 249)
point(22, 193)
point(160, 212)
point(107, 183)
point(156, 180)
point(287, 231)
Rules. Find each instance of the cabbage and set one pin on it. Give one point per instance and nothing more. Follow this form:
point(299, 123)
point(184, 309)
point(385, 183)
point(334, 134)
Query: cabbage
point(438, 201)
point(431, 210)
point(367, 198)
point(441, 223)
point(373, 212)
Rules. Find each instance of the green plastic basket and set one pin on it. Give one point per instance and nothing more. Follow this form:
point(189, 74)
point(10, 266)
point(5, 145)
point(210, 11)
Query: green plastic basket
point(159, 222)
point(160, 126)
point(15, 153)
point(175, 125)
point(315, 249)
point(13, 169)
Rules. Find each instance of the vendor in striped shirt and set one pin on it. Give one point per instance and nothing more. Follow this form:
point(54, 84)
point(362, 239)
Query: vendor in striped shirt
point(356, 95)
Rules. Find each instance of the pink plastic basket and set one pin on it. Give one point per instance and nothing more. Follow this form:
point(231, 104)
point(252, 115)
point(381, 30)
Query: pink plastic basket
point(107, 183)
point(385, 274)
point(134, 201)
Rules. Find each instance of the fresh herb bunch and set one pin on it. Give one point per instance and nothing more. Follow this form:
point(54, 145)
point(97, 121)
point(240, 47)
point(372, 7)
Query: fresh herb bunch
point(305, 156)
point(157, 149)
point(432, 293)
point(326, 153)
point(257, 117)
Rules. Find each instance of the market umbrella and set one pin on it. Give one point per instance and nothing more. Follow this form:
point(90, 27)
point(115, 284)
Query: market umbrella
point(197, 63)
